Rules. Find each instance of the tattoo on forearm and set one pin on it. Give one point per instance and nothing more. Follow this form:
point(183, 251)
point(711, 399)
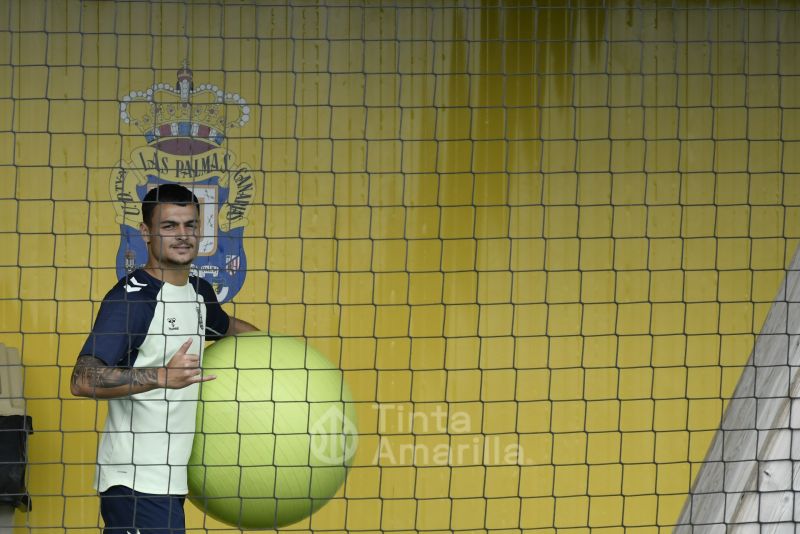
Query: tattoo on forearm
point(93, 373)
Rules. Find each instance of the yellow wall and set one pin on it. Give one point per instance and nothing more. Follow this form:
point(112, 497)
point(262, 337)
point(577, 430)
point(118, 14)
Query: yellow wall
point(561, 226)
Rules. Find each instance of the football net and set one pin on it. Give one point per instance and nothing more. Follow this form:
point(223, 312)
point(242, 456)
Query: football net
point(540, 241)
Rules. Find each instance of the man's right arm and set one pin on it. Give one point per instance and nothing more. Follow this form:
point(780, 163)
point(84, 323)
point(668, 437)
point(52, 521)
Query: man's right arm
point(92, 378)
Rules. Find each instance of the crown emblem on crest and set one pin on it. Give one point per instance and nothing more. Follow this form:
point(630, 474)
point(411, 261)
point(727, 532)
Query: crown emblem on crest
point(182, 119)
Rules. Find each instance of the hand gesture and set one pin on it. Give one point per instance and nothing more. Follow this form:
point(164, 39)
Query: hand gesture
point(183, 369)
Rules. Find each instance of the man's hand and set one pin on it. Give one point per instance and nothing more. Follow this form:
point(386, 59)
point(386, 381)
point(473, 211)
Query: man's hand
point(182, 370)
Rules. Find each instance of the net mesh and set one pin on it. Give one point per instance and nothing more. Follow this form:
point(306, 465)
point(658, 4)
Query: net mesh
point(539, 239)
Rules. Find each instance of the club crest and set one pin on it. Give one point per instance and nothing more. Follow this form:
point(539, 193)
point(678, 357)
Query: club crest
point(184, 129)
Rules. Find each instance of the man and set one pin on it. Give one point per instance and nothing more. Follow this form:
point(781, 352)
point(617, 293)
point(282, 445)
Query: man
point(144, 355)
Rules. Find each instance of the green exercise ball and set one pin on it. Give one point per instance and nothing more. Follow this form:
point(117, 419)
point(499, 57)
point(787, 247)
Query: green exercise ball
point(276, 432)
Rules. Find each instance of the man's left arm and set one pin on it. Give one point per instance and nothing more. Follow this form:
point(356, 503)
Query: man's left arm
point(238, 326)
point(218, 323)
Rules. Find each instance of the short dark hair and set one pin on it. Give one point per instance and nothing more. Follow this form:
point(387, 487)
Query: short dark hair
point(166, 194)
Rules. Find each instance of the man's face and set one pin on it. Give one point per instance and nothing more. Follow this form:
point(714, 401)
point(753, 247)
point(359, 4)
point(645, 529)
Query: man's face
point(172, 234)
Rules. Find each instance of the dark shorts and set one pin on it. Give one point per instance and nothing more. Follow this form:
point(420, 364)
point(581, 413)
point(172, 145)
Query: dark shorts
point(126, 511)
